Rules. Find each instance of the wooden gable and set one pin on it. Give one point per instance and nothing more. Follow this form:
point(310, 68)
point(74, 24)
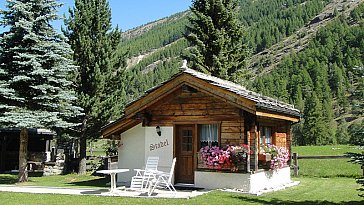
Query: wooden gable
point(171, 102)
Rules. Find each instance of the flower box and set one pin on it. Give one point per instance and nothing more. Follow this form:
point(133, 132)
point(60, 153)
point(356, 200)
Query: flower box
point(228, 159)
point(265, 157)
point(275, 157)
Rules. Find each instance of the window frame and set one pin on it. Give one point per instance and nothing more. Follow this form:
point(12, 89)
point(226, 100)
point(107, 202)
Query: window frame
point(262, 136)
point(208, 123)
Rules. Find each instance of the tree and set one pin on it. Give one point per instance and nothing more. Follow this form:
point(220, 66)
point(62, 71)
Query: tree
point(313, 125)
point(88, 28)
point(357, 158)
point(342, 135)
point(216, 36)
point(35, 88)
point(357, 133)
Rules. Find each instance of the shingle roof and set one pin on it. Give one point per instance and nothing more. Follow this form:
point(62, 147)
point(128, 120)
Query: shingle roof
point(263, 102)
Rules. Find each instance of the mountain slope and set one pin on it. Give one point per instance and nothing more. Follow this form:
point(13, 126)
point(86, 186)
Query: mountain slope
point(266, 60)
point(290, 57)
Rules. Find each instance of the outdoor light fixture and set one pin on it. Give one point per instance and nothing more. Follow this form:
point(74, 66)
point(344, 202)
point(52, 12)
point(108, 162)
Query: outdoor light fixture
point(158, 129)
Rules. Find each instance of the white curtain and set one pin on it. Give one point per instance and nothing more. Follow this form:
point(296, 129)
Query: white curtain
point(209, 134)
point(268, 135)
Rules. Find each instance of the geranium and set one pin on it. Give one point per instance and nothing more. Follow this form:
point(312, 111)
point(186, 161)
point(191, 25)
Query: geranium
point(279, 156)
point(224, 158)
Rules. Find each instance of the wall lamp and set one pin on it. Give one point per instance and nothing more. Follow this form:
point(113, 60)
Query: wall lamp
point(158, 129)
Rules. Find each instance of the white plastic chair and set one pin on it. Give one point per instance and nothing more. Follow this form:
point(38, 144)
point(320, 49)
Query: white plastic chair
point(142, 176)
point(163, 180)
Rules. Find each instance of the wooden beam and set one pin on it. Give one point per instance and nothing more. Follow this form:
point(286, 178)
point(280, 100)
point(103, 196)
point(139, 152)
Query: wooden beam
point(277, 116)
point(119, 128)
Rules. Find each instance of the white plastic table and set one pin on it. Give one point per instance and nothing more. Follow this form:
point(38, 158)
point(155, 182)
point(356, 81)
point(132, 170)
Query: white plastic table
point(112, 173)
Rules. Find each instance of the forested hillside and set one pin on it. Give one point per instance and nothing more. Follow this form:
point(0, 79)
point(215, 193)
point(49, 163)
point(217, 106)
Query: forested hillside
point(325, 75)
point(325, 81)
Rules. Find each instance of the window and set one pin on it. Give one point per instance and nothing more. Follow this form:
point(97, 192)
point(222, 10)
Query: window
point(265, 135)
point(187, 140)
point(208, 135)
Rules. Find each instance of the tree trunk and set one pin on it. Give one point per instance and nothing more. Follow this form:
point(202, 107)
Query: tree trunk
point(23, 150)
point(82, 162)
point(3, 152)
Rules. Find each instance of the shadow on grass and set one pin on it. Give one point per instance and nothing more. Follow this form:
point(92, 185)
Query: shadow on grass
point(8, 179)
point(12, 178)
point(288, 202)
point(92, 183)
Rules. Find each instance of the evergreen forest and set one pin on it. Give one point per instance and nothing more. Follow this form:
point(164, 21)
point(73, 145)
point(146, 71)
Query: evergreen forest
point(324, 80)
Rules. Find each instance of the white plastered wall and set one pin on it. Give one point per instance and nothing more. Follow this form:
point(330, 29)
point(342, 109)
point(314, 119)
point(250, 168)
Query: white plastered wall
point(161, 146)
point(131, 154)
point(141, 142)
point(270, 180)
point(252, 183)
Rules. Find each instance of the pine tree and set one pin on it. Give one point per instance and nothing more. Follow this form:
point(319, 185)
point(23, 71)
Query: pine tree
point(342, 134)
point(313, 125)
point(94, 44)
point(34, 72)
point(217, 38)
point(357, 133)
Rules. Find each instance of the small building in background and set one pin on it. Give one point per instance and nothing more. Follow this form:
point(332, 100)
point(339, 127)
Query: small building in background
point(39, 148)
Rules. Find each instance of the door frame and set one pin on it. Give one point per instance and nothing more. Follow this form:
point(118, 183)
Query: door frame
point(194, 144)
point(195, 137)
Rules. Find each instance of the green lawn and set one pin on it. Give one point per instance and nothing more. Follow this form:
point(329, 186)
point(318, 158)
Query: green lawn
point(325, 150)
point(327, 167)
point(69, 180)
point(328, 181)
point(331, 191)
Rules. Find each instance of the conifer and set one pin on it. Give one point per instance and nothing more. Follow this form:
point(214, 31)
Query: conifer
point(88, 28)
point(216, 36)
point(35, 68)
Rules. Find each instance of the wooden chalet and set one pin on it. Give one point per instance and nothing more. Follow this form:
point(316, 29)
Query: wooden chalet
point(193, 110)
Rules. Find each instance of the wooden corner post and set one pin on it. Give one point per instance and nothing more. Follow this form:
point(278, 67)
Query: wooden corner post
point(295, 165)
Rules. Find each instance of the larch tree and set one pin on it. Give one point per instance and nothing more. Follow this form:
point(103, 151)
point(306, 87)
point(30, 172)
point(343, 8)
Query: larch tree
point(90, 34)
point(216, 36)
point(35, 68)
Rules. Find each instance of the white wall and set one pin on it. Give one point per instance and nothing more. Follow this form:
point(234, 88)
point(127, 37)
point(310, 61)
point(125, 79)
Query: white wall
point(219, 180)
point(141, 142)
point(270, 179)
point(161, 146)
point(252, 183)
point(132, 152)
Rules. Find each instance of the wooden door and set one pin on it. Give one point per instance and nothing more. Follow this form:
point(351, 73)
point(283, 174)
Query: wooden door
point(184, 154)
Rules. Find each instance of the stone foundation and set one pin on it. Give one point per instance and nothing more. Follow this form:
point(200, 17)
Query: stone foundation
point(54, 168)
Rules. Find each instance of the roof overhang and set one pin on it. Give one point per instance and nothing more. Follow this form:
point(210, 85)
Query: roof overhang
point(157, 94)
point(264, 113)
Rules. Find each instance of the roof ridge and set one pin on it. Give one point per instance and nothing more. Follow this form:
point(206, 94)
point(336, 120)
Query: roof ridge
point(238, 89)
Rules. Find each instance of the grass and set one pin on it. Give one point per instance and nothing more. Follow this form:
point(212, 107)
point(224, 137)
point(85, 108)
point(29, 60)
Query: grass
point(327, 167)
point(69, 180)
point(327, 181)
point(311, 191)
point(325, 150)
